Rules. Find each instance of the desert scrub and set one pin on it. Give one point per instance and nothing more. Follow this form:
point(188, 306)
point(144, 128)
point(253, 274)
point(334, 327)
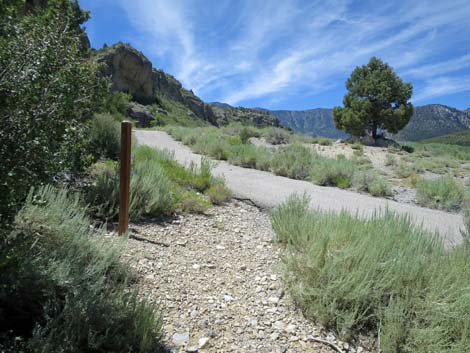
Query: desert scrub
point(64, 285)
point(444, 193)
point(380, 275)
point(104, 137)
point(390, 159)
point(369, 181)
point(293, 161)
point(277, 136)
point(159, 186)
point(333, 172)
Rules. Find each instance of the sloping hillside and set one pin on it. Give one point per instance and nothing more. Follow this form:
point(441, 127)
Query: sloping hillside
point(168, 101)
point(461, 138)
point(434, 120)
point(313, 122)
point(428, 121)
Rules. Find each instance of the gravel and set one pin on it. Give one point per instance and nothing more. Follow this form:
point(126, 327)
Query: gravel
point(223, 290)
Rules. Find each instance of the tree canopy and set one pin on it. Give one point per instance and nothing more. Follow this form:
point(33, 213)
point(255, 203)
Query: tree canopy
point(377, 99)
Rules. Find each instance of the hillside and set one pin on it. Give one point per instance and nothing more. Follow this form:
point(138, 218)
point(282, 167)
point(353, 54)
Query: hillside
point(165, 97)
point(428, 121)
point(434, 120)
point(461, 138)
point(313, 122)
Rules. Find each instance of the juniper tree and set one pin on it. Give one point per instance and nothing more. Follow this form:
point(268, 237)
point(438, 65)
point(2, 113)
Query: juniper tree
point(377, 99)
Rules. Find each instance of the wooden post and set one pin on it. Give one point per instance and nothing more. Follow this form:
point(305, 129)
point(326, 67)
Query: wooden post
point(125, 176)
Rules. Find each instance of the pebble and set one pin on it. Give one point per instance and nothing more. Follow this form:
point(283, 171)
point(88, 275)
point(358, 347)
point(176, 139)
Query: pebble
point(219, 288)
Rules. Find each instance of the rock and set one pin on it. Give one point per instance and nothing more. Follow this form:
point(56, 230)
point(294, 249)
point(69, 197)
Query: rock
point(203, 341)
point(130, 71)
point(279, 325)
point(291, 328)
point(273, 300)
point(228, 298)
point(180, 338)
point(139, 113)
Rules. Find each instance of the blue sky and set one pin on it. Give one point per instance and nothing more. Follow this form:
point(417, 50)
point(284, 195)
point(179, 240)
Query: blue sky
point(288, 54)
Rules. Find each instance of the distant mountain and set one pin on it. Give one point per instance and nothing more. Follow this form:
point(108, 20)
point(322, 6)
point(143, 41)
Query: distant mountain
point(313, 122)
point(428, 121)
point(434, 120)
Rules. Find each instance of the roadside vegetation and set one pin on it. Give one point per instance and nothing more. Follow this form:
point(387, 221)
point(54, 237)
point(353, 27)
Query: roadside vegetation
point(64, 286)
point(291, 158)
point(381, 276)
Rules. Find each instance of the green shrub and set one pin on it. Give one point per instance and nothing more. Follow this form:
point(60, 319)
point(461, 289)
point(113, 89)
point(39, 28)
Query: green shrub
point(333, 172)
point(390, 160)
point(218, 194)
point(151, 194)
point(293, 161)
point(103, 194)
point(404, 170)
point(444, 193)
point(466, 230)
point(63, 284)
point(380, 275)
point(246, 133)
point(323, 141)
point(277, 136)
point(104, 137)
point(357, 146)
point(48, 92)
point(370, 182)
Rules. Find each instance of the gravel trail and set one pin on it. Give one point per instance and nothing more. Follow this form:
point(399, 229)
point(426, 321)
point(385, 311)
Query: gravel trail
point(216, 278)
point(267, 190)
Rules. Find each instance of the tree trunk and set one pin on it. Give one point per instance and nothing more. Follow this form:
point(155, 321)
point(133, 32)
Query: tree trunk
point(374, 131)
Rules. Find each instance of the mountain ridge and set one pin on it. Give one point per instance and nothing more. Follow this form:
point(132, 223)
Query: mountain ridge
point(428, 121)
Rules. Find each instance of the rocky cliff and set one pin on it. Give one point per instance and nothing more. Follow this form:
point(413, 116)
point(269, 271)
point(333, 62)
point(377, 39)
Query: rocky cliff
point(130, 71)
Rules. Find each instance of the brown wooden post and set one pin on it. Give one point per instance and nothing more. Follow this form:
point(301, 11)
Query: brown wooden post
point(125, 176)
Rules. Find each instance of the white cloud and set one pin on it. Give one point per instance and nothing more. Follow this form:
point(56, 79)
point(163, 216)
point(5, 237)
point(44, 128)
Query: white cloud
point(442, 86)
point(236, 51)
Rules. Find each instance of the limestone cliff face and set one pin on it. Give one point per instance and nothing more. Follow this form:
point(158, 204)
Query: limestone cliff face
point(130, 71)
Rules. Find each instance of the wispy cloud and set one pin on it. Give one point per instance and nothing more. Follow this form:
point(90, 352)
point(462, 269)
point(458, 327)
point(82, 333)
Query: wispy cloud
point(237, 51)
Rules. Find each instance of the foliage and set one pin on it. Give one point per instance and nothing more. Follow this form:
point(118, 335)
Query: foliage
point(377, 99)
point(390, 160)
point(104, 137)
point(466, 230)
point(333, 172)
point(47, 91)
point(277, 136)
point(159, 186)
point(461, 138)
point(64, 286)
point(380, 275)
point(371, 182)
point(443, 193)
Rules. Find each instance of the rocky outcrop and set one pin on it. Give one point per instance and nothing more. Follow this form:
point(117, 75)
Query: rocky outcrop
point(226, 114)
point(130, 71)
point(140, 114)
point(170, 87)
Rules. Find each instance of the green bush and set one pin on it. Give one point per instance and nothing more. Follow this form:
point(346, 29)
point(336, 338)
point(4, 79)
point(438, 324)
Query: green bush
point(277, 136)
point(64, 286)
point(370, 182)
point(444, 193)
point(151, 194)
point(104, 137)
point(390, 159)
point(380, 275)
point(333, 172)
point(48, 91)
point(218, 194)
point(294, 161)
point(103, 194)
point(466, 230)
